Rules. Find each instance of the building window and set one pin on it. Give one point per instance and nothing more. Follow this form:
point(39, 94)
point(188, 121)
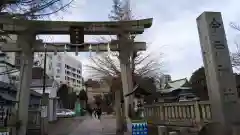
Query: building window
point(78, 81)
point(18, 62)
point(57, 76)
point(79, 71)
point(67, 72)
point(67, 78)
point(68, 67)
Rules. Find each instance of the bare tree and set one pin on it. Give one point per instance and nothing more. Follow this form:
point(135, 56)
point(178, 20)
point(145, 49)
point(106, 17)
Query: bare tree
point(106, 66)
point(34, 8)
point(235, 56)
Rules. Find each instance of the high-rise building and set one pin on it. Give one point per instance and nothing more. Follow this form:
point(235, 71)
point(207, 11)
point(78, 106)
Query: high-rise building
point(62, 68)
point(164, 79)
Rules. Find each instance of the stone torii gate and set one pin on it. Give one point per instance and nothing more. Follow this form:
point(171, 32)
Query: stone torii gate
point(27, 45)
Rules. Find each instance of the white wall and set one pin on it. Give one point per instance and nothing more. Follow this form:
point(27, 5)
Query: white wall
point(51, 91)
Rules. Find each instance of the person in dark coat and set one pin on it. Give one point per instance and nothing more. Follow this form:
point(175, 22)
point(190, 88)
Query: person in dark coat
point(99, 112)
point(95, 112)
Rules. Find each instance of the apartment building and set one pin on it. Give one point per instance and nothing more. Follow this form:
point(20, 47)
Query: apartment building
point(62, 68)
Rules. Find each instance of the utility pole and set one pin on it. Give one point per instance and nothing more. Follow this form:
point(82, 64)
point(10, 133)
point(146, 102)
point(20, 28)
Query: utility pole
point(44, 102)
point(44, 68)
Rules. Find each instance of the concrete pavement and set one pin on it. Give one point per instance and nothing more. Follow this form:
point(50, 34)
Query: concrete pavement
point(86, 126)
point(93, 126)
point(65, 125)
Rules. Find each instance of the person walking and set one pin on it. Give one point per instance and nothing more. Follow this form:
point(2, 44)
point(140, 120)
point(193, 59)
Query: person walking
point(95, 112)
point(99, 112)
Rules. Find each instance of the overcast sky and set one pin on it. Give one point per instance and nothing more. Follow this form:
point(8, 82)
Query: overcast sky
point(173, 33)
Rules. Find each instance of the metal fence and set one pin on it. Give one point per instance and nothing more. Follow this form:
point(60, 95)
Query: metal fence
point(5, 114)
point(34, 117)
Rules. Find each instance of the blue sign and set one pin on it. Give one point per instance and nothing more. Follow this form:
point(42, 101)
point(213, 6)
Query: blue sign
point(139, 128)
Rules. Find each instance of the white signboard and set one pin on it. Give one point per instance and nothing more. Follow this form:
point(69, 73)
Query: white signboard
point(4, 133)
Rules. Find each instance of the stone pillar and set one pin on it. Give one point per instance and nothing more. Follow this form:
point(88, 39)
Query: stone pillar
point(218, 70)
point(126, 74)
point(119, 123)
point(162, 130)
point(26, 42)
point(51, 111)
point(44, 113)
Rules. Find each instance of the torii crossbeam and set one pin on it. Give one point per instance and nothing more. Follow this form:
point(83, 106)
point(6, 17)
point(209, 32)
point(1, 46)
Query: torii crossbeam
point(15, 25)
point(67, 47)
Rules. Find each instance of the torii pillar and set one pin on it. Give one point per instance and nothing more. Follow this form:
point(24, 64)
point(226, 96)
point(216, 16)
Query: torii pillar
point(126, 48)
point(26, 41)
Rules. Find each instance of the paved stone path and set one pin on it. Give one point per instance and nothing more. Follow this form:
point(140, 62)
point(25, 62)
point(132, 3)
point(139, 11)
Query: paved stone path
point(85, 126)
point(65, 126)
point(93, 126)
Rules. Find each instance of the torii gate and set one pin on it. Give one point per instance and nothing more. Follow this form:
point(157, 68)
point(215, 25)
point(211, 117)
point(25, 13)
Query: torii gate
point(27, 45)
